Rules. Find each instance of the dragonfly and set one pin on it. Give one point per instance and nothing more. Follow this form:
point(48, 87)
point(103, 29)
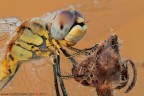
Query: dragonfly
point(116, 18)
point(36, 38)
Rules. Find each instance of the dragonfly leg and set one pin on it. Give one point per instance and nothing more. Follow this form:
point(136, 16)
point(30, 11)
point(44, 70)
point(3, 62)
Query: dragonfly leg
point(55, 80)
point(86, 51)
point(70, 58)
point(59, 75)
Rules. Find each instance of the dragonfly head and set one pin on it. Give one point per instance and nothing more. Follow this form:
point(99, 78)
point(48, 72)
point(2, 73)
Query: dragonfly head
point(68, 26)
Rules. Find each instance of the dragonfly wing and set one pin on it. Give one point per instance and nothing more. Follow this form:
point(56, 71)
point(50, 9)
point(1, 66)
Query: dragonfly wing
point(7, 31)
point(8, 26)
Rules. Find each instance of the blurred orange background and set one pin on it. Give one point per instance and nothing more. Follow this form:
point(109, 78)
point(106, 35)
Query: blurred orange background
point(123, 17)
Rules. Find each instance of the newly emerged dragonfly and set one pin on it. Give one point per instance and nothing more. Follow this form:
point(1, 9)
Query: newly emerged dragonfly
point(96, 9)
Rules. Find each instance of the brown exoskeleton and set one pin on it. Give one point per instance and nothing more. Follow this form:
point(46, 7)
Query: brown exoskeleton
point(104, 69)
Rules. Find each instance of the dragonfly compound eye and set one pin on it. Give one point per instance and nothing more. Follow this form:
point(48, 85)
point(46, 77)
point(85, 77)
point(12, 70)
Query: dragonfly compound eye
point(68, 25)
